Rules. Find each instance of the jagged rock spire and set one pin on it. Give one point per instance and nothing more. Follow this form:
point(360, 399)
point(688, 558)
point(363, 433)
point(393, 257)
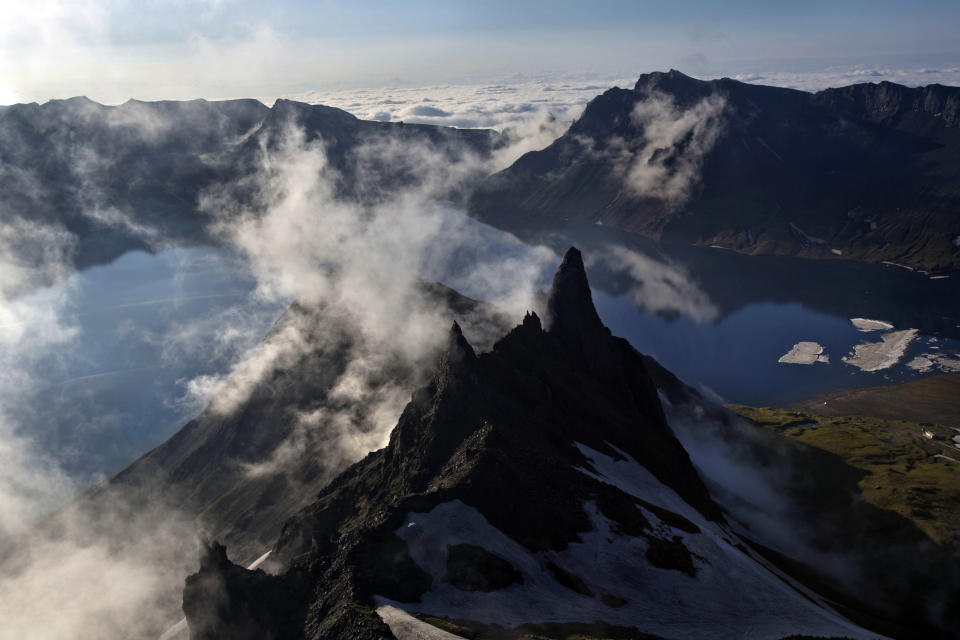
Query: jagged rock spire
point(570, 309)
point(458, 349)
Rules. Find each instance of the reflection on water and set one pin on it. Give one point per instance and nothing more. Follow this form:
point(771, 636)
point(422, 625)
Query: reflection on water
point(718, 320)
point(721, 320)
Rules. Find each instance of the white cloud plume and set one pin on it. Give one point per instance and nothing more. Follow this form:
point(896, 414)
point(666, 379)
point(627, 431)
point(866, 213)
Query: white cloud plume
point(113, 574)
point(532, 114)
point(675, 141)
point(31, 324)
point(97, 576)
point(360, 266)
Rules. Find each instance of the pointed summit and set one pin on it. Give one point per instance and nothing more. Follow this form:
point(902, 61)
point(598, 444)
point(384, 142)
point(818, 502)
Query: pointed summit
point(570, 309)
point(458, 349)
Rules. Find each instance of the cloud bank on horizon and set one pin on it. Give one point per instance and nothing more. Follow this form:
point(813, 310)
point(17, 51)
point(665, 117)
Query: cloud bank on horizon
point(540, 110)
point(112, 50)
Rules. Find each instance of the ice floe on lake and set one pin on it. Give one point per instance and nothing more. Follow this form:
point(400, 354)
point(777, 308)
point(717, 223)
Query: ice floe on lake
point(805, 353)
point(875, 356)
point(940, 361)
point(866, 324)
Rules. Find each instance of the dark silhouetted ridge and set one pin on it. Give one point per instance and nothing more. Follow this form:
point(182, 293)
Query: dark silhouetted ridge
point(501, 432)
point(570, 307)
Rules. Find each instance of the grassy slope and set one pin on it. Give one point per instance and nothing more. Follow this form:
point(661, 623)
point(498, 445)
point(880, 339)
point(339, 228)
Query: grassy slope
point(935, 399)
point(866, 429)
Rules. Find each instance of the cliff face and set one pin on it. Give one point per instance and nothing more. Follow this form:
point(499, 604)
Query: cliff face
point(535, 482)
point(869, 170)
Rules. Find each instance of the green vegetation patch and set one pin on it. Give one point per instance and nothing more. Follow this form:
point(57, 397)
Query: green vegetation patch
point(904, 464)
point(933, 399)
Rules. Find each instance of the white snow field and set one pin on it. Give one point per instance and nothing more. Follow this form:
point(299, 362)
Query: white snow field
point(875, 356)
point(734, 594)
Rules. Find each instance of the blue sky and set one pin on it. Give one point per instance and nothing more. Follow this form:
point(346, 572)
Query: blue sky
point(115, 49)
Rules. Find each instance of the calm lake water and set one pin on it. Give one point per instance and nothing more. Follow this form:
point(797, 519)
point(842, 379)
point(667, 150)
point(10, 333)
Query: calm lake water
point(720, 321)
point(146, 324)
point(736, 357)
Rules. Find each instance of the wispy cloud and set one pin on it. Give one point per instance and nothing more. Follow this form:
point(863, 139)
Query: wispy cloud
point(676, 140)
point(34, 321)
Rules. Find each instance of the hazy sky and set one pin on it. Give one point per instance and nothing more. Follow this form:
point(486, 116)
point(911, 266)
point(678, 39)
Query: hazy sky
point(111, 50)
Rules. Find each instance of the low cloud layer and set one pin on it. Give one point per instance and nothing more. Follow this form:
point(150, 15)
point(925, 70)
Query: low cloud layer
point(843, 75)
point(532, 114)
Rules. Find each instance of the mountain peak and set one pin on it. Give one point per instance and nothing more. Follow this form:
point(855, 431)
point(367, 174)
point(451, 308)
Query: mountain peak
point(570, 307)
point(458, 349)
point(679, 85)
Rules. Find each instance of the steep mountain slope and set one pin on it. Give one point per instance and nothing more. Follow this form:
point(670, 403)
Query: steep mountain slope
point(533, 489)
point(121, 177)
point(824, 502)
point(315, 396)
point(242, 469)
point(872, 170)
point(911, 467)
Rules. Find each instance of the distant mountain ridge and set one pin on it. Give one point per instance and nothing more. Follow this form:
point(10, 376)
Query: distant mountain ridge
point(869, 171)
point(122, 177)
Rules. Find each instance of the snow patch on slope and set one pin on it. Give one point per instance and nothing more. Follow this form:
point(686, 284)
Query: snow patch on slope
point(734, 594)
